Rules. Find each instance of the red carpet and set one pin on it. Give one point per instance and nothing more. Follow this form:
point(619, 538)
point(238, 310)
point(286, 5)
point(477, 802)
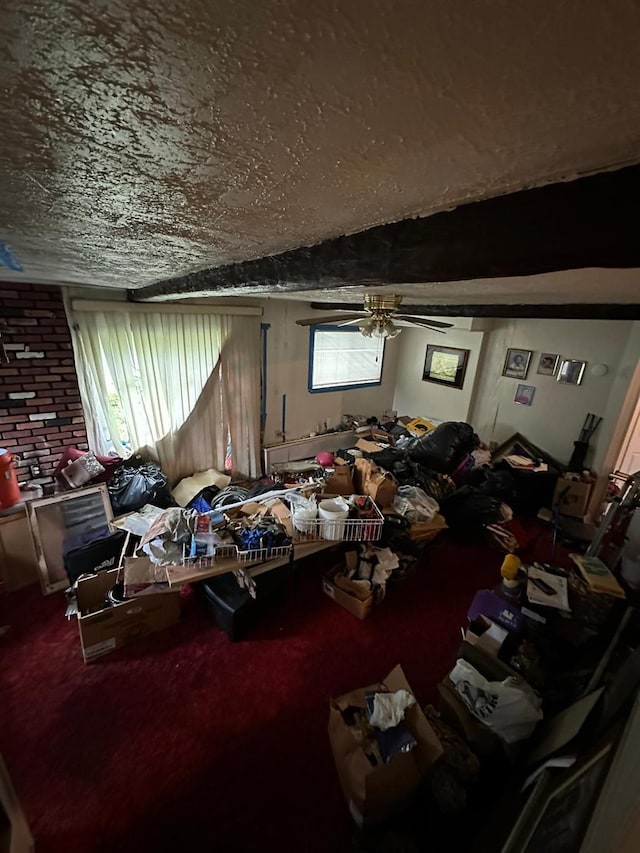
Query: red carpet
point(186, 741)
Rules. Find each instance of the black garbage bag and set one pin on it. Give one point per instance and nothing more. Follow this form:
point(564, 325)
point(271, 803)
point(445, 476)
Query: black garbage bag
point(387, 457)
point(468, 509)
point(498, 484)
point(443, 448)
point(133, 486)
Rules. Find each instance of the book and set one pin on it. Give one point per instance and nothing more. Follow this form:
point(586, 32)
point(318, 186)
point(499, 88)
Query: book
point(547, 589)
point(597, 575)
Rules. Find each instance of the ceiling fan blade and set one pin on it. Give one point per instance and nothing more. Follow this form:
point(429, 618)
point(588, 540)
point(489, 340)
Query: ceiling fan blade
point(423, 324)
point(412, 318)
point(356, 321)
point(330, 318)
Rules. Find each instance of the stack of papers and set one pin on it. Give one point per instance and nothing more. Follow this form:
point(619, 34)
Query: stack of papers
point(547, 589)
point(518, 461)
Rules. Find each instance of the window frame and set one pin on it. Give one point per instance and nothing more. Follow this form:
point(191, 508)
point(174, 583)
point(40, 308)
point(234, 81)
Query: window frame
point(327, 327)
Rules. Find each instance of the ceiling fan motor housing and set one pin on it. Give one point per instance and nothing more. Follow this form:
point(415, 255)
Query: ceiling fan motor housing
point(381, 303)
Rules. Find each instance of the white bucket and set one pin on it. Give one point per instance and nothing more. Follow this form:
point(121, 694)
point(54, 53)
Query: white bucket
point(304, 518)
point(333, 516)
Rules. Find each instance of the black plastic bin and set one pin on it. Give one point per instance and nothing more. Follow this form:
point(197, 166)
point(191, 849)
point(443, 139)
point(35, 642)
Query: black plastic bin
point(233, 609)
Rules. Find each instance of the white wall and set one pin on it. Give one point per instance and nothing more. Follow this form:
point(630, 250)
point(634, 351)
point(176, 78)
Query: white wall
point(554, 420)
point(413, 396)
point(287, 373)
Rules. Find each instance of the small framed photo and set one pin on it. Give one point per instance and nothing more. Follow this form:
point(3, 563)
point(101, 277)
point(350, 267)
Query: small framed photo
point(548, 364)
point(524, 394)
point(571, 371)
point(516, 364)
point(445, 365)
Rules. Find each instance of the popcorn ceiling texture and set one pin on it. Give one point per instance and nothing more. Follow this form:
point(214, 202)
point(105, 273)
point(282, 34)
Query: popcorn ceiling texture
point(40, 409)
point(143, 141)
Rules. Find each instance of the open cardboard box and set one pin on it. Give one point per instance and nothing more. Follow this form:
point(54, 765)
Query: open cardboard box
point(571, 497)
point(104, 629)
point(352, 596)
point(375, 793)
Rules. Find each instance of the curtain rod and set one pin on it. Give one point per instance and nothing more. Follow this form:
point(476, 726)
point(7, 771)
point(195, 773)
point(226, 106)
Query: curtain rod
point(164, 308)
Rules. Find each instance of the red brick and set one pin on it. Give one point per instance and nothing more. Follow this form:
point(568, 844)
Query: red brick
point(14, 434)
point(8, 371)
point(27, 337)
point(8, 294)
point(24, 426)
point(58, 337)
point(24, 321)
point(38, 402)
point(43, 430)
point(9, 419)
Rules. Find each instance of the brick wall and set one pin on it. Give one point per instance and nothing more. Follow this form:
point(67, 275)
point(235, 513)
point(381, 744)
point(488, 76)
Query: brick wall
point(40, 410)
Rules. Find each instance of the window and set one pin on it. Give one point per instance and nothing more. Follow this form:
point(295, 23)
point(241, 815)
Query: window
point(340, 359)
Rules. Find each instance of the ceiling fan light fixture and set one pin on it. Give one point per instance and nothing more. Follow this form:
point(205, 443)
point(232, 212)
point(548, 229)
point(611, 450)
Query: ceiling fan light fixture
point(367, 327)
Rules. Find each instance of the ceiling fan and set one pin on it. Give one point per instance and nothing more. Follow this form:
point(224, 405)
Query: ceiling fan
point(377, 318)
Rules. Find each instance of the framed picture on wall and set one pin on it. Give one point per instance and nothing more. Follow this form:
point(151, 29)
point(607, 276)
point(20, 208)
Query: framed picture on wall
point(445, 365)
point(516, 364)
point(524, 394)
point(548, 364)
point(571, 371)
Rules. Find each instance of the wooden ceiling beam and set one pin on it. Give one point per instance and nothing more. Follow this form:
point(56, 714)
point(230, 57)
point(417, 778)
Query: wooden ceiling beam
point(589, 222)
point(572, 311)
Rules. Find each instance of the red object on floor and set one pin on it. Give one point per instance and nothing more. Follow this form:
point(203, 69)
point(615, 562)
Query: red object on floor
point(9, 488)
point(186, 741)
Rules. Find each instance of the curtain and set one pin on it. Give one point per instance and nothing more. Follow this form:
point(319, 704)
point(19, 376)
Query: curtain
point(183, 387)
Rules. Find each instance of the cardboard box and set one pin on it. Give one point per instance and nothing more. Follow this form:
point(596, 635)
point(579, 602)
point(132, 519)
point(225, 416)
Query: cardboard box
point(486, 635)
point(104, 629)
point(374, 793)
point(340, 482)
point(370, 480)
point(350, 595)
point(376, 435)
point(426, 531)
point(419, 426)
point(571, 497)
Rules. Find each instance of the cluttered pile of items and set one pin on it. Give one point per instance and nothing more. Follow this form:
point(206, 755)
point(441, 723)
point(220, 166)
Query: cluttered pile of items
point(540, 689)
point(385, 495)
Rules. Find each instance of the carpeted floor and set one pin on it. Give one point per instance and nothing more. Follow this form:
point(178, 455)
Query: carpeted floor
point(186, 741)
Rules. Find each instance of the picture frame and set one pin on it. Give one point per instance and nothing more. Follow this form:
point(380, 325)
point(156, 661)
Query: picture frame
point(556, 813)
point(445, 365)
point(524, 394)
point(548, 363)
point(516, 363)
point(571, 371)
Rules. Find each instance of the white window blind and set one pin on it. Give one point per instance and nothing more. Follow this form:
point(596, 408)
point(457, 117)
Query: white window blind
point(343, 358)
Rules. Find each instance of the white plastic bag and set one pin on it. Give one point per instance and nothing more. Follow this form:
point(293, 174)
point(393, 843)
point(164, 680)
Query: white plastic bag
point(509, 707)
point(415, 504)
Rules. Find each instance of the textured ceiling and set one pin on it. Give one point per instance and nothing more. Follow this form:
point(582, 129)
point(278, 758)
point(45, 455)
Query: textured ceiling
point(147, 140)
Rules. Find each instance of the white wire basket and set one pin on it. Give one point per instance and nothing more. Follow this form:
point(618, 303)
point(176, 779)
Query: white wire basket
point(225, 552)
point(341, 530)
